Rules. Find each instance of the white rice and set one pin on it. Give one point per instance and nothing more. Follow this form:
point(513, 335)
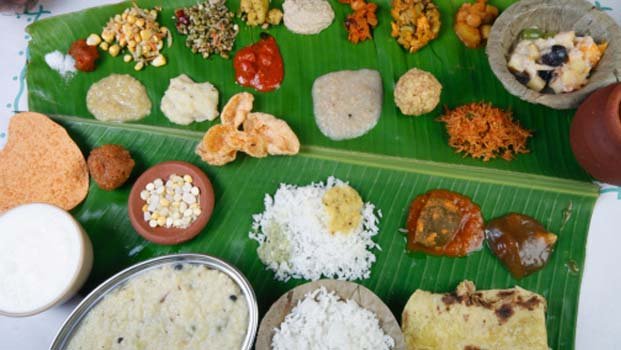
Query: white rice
point(324, 321)
point(305, 248)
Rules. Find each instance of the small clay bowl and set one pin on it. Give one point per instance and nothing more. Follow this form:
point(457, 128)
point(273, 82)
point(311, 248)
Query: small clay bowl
point(346, 290)
point(595, 134)
point(555, 16)
point(163, 235)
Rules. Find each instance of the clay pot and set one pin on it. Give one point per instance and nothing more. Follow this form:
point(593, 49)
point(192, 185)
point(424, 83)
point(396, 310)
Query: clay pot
point(596, 134)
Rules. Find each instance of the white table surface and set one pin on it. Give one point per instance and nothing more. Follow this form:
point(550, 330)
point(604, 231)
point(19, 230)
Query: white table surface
point(599, 316)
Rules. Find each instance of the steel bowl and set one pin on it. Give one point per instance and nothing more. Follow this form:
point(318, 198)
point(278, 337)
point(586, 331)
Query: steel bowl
point(74, 320)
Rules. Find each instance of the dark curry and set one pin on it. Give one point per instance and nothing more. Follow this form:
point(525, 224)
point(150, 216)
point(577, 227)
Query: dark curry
point(520, 242)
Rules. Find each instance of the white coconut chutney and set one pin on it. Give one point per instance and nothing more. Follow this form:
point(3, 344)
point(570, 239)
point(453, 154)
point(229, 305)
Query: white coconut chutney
point(307, 16)
point(41, 255)
point(118, 98)
point(185, 101)
point(347, 104)
point(180, 306)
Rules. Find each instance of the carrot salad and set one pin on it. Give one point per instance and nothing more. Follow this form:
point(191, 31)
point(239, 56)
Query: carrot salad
point(484, 132)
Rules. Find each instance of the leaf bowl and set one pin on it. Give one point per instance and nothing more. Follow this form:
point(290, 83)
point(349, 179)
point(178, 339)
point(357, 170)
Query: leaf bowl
point(555, 16)
point(364, 297)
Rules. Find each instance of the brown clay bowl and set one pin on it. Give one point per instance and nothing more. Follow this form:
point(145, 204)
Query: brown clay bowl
point(346, 290)
point(595, 134)
point(163, 235)
point(555, 16)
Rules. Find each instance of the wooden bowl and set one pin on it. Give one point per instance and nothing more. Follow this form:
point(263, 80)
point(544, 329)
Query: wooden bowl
point(555, 16)
point(346, 290)
point(163, 235)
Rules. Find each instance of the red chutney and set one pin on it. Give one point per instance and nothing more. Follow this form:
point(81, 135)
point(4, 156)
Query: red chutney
point(84, 55)
point(260, 65)
point(442, 222)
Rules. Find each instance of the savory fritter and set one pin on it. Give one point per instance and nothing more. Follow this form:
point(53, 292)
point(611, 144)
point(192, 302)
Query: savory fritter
point(110, 166)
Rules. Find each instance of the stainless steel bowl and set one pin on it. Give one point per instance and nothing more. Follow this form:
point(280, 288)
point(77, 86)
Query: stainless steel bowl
point(73, 321)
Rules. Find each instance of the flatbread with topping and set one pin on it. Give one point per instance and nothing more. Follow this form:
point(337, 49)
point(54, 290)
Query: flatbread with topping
point(475, 320)
point(41, 163)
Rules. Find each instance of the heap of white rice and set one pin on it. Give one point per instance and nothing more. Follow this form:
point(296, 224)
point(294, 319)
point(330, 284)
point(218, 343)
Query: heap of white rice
point(323, 321)
point(295, 223)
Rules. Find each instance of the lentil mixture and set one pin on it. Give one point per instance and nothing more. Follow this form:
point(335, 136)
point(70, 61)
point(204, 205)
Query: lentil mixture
point(209, 27)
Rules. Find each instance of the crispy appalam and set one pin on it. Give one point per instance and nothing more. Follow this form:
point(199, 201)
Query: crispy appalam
point(41, 163)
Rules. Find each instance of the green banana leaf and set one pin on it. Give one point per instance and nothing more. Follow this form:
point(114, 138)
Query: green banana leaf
point(398, 160)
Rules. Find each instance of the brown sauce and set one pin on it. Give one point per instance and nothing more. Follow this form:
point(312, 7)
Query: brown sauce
point(442, 222)
point(520, 242)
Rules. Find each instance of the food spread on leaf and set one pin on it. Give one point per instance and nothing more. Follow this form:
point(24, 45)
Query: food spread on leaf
point(554, 62)
point(442, 222)
point(522, 244)
point(414, 23)
point(318, 230)
point(482, 131)
point(296, 237)
point(473, 22)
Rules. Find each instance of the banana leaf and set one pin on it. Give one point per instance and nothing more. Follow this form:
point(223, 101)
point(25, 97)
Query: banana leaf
point(399, 159)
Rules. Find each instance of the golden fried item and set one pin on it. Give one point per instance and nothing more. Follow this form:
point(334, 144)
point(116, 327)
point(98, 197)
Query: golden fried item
point(262, 134)
point(41, 163)
point(415, 23)
point(235, 111)
point(255, 145)
point(473, 22)
point(220, 145)
point(280, 139)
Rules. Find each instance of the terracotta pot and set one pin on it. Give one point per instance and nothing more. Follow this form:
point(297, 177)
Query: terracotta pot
point(596, 134)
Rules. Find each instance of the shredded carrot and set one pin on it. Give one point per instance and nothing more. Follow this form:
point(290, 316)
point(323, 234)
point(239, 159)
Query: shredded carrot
point(485, 132)
point(360, 22)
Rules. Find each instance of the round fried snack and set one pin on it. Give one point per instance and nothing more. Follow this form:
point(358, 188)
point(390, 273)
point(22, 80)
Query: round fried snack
point(235, 111)
point(110, 166)
point(220, 144)
point(280, 139)
point(41, 163)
